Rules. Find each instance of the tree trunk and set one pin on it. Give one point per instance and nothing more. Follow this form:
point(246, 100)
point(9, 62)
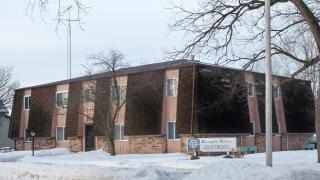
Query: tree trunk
point(310, 19)
point(312, 22)
point(317, 120)
point(112, 149)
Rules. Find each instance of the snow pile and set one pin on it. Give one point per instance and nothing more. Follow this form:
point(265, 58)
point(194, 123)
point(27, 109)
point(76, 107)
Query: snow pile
point(16, 155)
point(62, 164)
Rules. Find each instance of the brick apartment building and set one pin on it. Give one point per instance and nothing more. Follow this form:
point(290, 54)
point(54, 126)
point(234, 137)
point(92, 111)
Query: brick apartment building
point(166, 103)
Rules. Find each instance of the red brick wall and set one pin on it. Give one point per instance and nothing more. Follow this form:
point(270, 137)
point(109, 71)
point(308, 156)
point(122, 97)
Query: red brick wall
point(147, 144)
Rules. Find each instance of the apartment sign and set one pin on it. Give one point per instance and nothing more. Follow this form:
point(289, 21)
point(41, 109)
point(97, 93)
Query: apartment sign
point(193, 144)
point(218, 144)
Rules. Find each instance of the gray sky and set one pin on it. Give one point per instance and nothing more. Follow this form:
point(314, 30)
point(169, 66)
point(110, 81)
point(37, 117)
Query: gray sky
point(137, 28)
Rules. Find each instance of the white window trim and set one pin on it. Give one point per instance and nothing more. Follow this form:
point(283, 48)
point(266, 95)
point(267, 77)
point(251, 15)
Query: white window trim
point(278, 91)
point(123, 93)
point(253, 128)
point(63, 135)
point(279, 128)
point(120, 133)
point(174, 131)
point(173, 95)
point(24, 102)
point(24, 136)
point(84, 99)
point(252, 86)
point(57, 97)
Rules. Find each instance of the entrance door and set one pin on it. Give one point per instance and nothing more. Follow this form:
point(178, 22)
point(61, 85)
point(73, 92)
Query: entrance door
point(89, 138)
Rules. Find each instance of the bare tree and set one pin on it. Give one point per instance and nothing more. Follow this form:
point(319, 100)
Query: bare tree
point(64, 10)
point(108, 103)
point(7, 86)
point(231, 31)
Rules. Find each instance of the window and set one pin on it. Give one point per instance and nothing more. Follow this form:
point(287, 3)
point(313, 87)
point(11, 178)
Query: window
point(60, 135)
point(171, 131)
point(26, 135)
point(62, 99)
point(88, 95)
point(122, 92)
point(27, 102)
point(249, 88)
point(172, 87)
point(278, 126)
point(252, 129)
point(119, 132)
point(276, 91)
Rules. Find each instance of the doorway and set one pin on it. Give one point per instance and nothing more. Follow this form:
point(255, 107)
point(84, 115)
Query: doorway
point(89, 138)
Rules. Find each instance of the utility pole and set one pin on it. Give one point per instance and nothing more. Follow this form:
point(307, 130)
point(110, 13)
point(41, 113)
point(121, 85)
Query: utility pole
point(68, 20)
point(268, 74)
point(69, 47)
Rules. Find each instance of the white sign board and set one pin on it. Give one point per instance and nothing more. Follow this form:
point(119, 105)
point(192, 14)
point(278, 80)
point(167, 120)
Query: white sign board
point(218, 144)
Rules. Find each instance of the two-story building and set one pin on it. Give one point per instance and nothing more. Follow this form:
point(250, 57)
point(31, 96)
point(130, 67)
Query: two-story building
point(165, 104)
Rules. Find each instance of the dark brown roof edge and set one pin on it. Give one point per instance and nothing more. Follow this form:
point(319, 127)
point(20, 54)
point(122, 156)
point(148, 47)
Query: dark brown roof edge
point(145, 68)
point(124, 71)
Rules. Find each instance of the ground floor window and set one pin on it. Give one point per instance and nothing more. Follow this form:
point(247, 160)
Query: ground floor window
point(26, 135)
point(279, 128)
point(119, 132)
point(60, 134)
point(171, 130)
point(252, 130)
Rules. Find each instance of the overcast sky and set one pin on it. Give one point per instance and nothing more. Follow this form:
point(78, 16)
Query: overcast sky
point(139, 29)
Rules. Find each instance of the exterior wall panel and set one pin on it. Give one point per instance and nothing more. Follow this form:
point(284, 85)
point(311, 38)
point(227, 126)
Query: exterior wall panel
point(298, 105)
point(144, 103)
point(14, 128)
point(184, 100)
point(223, 103)
point(73, 113)
point(102, 106)
point(41, 110)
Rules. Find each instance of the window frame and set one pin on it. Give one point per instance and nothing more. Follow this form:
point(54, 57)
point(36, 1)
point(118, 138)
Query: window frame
point(123, 93)
point(122, 137)
point(279, 128)
point(174, 92)
point(56, 99)
point(63, 134)
point(247, 87)
point(277, 92)
point(24, 102)
point(175, 135)
point(253, 129)
point(26, 135)
point(91, 97)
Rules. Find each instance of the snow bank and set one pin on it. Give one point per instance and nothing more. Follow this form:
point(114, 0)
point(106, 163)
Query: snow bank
point(16, 155)
point(62, 164)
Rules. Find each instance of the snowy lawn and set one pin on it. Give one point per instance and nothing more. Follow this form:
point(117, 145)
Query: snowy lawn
point(62, 164)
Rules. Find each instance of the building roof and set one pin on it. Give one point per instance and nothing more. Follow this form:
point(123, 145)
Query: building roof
point(139, 69)
point(124, 71)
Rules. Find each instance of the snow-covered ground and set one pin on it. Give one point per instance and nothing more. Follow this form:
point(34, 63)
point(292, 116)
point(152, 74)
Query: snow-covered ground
point(62, 164)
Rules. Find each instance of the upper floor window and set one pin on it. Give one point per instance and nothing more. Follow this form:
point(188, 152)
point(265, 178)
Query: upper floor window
point(172, 87)
point(88, 95)
point(119, 132)
point(171, 131)
point(60, 134)
point(62, 99)
point(122, 90)
point(276, 91)
point(249, 88)
point(27, 102)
